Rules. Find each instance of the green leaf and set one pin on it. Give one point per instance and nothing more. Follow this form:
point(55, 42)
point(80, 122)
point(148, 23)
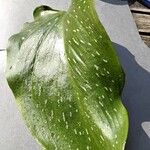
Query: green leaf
point(67, 80)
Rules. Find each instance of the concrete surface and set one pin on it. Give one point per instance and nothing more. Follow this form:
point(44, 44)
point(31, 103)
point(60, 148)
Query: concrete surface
point(133, 53)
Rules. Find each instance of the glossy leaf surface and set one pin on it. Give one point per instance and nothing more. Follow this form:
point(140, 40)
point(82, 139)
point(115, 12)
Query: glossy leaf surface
point(67, 80)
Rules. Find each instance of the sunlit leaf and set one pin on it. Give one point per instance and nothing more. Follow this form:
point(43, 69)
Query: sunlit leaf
point(67, 80)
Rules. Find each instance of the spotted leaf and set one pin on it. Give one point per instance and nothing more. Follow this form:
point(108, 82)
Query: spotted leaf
point(67, 80)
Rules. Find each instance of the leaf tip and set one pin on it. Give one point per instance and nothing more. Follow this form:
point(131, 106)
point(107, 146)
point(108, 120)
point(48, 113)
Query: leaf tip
point(40, 11)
